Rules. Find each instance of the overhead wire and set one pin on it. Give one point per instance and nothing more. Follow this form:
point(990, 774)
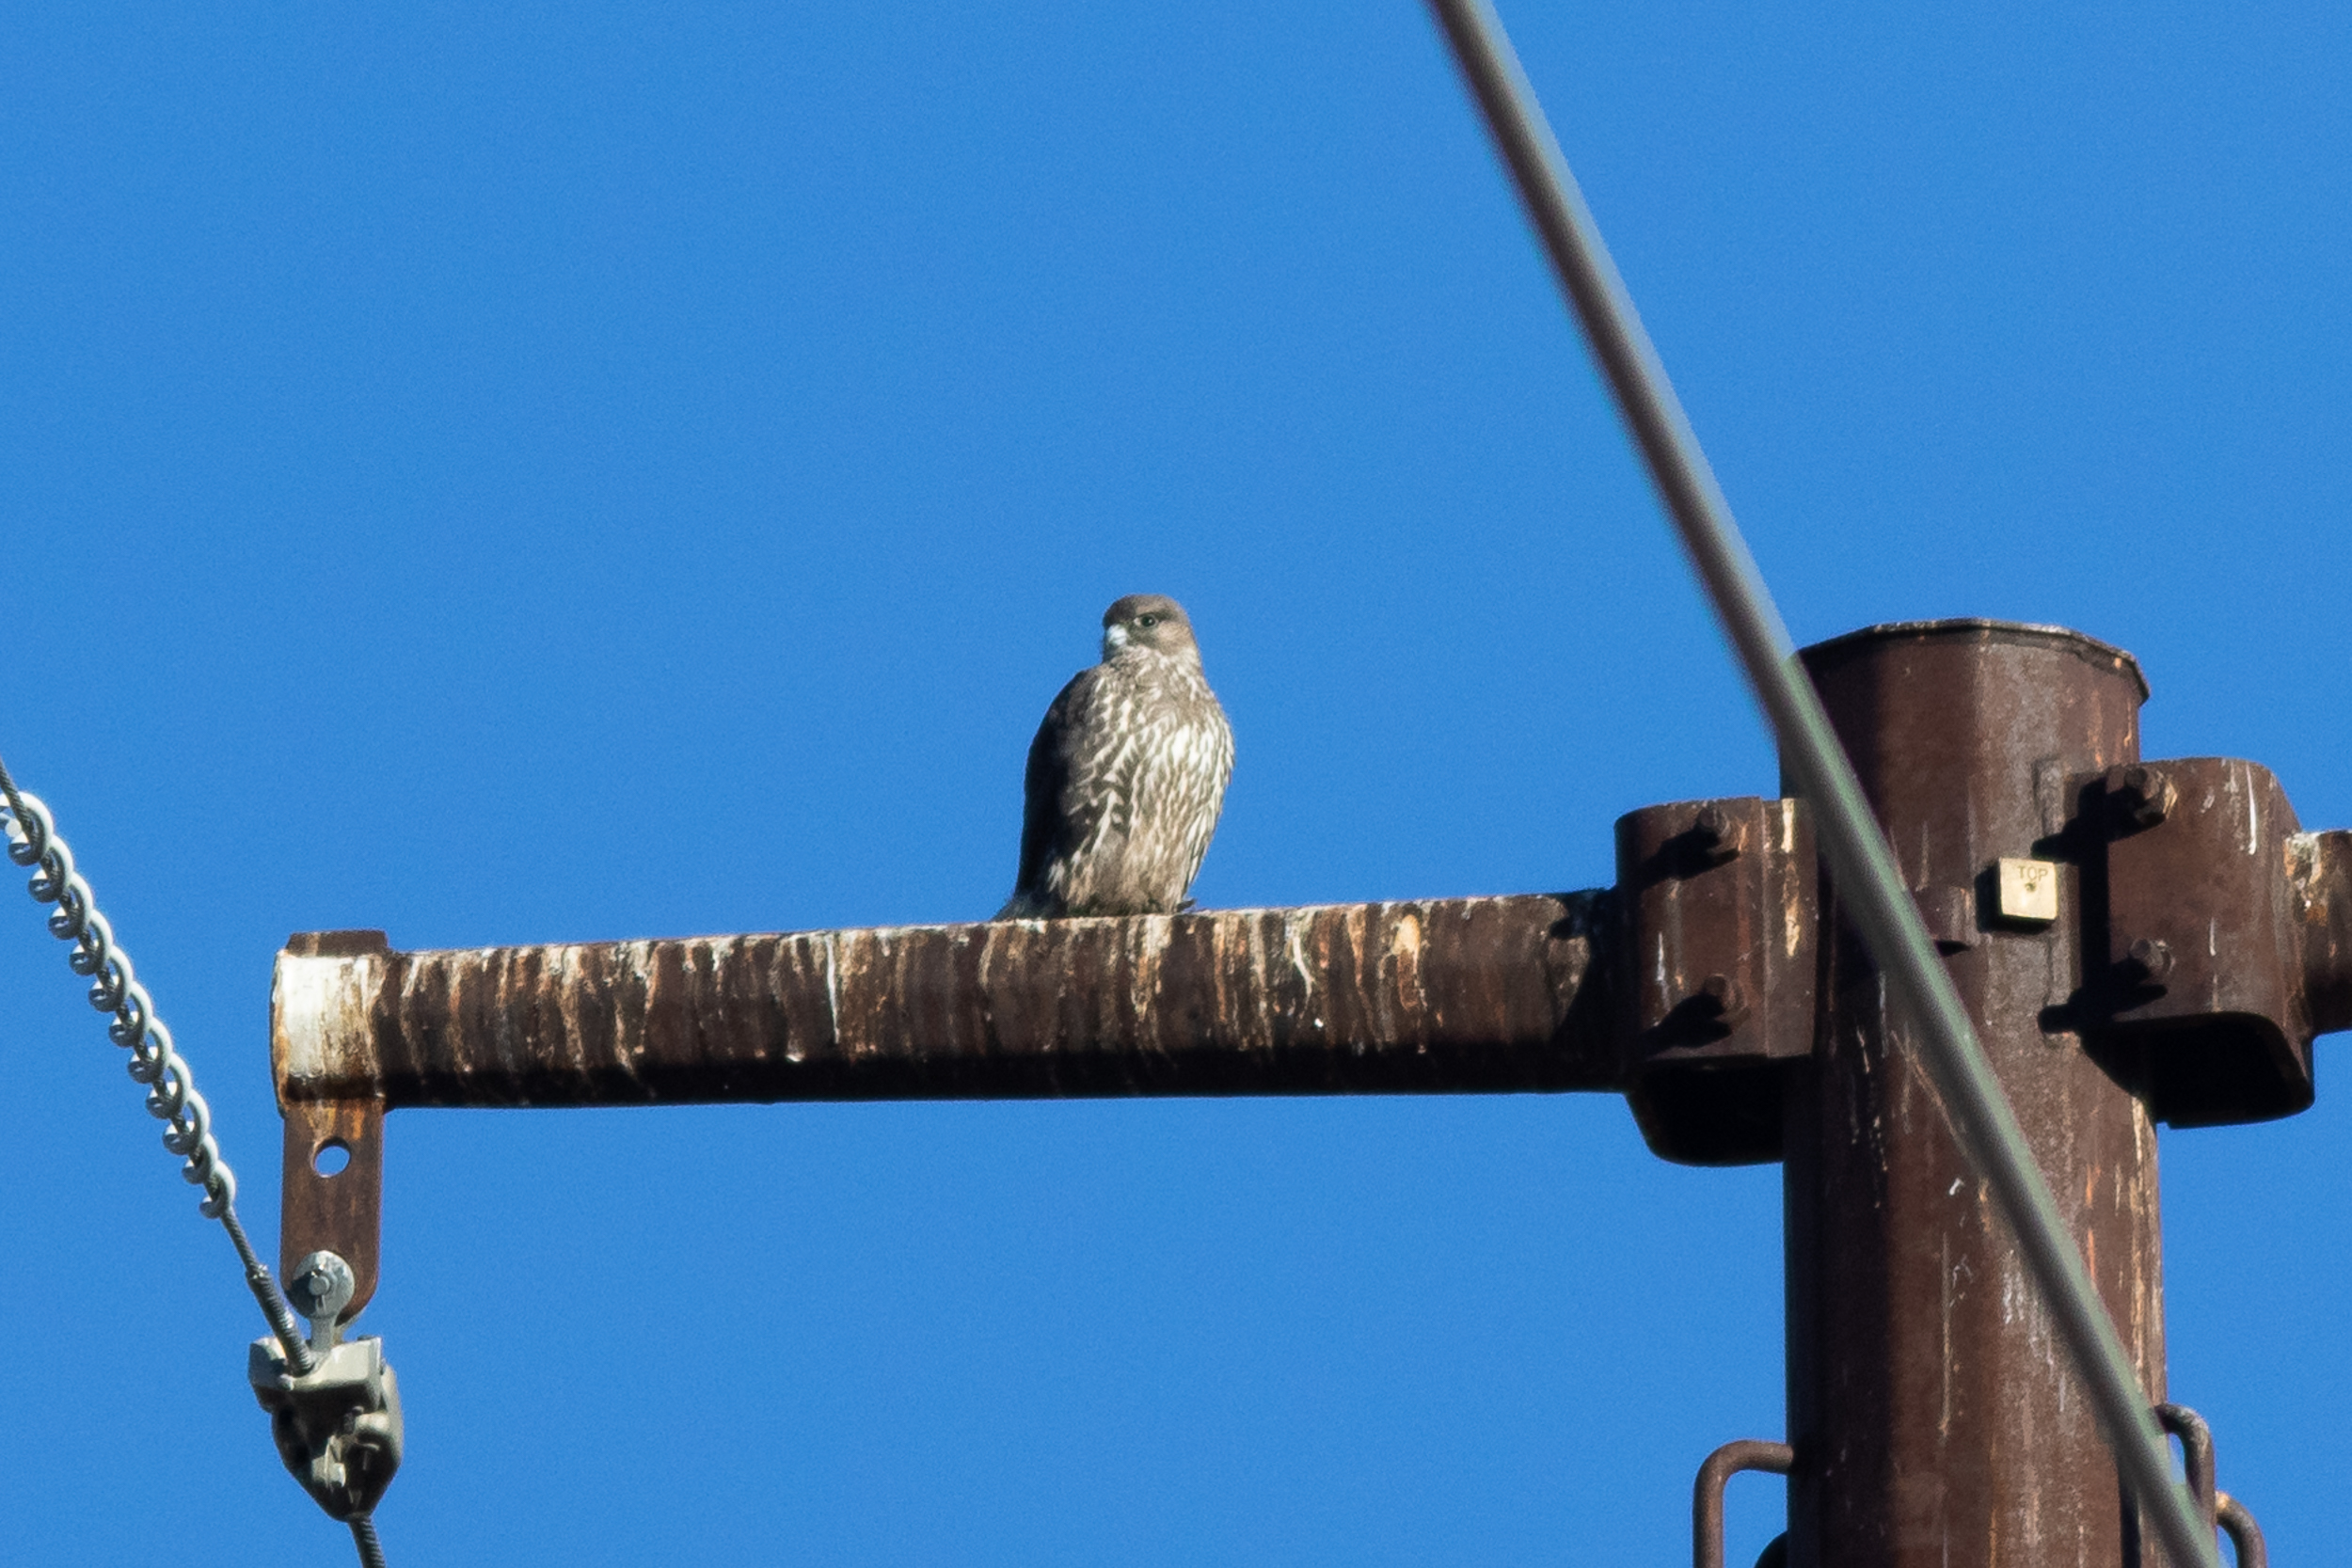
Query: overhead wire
point(1860, 862)
point(33, 842)
point(1863, 868)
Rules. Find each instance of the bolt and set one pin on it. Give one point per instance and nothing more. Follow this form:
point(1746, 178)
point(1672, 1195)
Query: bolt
point(1714, 832)
point(1731, 1003)
point(2149, 959)
point(320, 1284)
point(2142, 795)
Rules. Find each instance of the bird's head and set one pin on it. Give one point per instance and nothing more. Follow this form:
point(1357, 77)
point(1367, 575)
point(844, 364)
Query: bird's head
point(1152, 620)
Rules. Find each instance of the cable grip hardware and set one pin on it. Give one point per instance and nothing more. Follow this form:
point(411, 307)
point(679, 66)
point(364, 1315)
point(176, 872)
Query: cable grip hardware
point(336, 1428)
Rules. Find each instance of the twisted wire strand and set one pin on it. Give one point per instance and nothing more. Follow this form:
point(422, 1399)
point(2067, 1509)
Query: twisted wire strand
point(115, 989)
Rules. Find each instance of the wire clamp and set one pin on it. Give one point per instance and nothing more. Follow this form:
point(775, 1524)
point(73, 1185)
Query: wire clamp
point(338, 1427)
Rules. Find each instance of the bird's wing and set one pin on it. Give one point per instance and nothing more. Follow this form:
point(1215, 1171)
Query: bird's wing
point(1054, 817)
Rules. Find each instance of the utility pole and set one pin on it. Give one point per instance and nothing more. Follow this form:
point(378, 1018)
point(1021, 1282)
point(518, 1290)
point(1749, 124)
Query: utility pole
point(1935, 1423)
point(2135, 942)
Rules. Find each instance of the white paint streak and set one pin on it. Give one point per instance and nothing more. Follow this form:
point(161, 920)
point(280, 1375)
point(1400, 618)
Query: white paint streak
point(832, 988)
point(563, 969)
point(2254, 814)
point(1144, 979)
point(319, 1017)
point(1291, 942)
point(1404, 961)
point(1405, 942)
point(1943, 1420)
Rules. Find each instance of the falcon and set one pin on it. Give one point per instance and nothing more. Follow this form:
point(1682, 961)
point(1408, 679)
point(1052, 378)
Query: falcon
point(1126, 775)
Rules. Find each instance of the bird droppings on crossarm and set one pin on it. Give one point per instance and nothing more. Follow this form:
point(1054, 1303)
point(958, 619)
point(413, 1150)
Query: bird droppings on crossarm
point(1478, 994)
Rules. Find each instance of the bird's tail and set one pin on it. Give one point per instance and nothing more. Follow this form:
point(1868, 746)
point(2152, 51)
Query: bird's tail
point(1025, 905)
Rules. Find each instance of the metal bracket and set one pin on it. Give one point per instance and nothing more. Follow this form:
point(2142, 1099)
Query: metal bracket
point(337, 1428)
point(341, 1211)
point(2320, 867)
point(1706, 1495)
point(333, 1162)
point(1719, 900)
point(2204, 941)
point(2216, 1508)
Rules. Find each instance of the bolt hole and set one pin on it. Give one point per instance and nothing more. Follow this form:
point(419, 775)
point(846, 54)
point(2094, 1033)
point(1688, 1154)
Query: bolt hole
point(331, 1157)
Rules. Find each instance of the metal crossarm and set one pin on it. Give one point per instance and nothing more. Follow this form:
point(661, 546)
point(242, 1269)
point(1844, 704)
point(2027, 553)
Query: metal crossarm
point(1431, 996)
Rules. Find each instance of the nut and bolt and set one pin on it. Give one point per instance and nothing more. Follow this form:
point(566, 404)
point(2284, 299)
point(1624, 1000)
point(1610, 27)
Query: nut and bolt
point(1716, 833)
point(2149, 958)
point(1730, 1002)
point(2142, 795)
point(320, 1285)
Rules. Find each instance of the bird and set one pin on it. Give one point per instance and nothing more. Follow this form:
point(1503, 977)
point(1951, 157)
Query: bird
point(1126, 776)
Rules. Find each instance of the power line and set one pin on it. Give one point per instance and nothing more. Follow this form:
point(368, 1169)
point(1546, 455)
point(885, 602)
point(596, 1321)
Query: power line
point(115, 987)
point(1859, 860)
point(33, 842)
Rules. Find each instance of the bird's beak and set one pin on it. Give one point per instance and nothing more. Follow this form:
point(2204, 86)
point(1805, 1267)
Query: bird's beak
point(1114, 639)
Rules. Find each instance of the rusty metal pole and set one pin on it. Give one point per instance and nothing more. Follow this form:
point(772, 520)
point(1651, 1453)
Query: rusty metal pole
point(1968, 1089)
point(1936, 1421)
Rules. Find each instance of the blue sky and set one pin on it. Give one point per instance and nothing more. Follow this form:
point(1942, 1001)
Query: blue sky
point(593, 471)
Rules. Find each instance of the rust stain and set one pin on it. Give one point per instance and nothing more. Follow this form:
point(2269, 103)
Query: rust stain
point(1460, 994)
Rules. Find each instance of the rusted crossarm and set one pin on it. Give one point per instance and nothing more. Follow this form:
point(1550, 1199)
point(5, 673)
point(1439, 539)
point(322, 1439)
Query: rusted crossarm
point(1478, 994)
point(1445, 995)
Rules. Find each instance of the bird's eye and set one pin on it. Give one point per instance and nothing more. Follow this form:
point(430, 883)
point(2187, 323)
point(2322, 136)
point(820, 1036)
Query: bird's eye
point(1147, 620)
